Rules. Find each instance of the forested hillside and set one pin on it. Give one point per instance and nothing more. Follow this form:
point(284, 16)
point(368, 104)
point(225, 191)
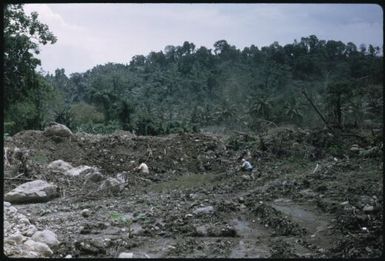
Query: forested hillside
point(311, 82)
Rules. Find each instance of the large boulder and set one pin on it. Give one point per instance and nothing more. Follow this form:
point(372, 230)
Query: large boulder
point(59, 166)
point(65, 168)
point(46, 236)
point(32, 192)
point(36, 249)
point(59, 130)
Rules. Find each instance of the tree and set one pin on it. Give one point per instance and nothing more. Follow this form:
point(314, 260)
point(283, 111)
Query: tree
point(22, 36)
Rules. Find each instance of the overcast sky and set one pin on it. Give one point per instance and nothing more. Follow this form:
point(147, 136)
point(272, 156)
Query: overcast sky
point(92, 34)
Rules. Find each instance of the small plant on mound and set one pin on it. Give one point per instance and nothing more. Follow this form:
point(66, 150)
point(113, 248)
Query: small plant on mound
point(121, 220)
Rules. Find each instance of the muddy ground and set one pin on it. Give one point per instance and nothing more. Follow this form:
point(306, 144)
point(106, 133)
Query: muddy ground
point(196, 203)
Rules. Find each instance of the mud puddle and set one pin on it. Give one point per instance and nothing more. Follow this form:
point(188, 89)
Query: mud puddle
point(318, 225)
point(252, 242)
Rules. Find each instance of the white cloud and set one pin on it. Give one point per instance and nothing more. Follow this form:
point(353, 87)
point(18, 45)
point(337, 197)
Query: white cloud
point(91, 34)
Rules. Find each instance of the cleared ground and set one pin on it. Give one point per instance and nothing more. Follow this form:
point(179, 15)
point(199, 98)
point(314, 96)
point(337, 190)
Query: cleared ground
point(287, 210)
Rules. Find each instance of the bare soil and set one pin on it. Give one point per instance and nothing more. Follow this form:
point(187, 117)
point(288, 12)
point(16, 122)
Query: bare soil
point(286, 211)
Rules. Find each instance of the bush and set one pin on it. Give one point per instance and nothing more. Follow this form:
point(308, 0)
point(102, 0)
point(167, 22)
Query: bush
point(99, 128)
point(83, 113)
point(9, 127)
point(22, 115)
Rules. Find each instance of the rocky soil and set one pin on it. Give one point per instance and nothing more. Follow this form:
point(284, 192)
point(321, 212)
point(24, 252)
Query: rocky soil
point(313, 194)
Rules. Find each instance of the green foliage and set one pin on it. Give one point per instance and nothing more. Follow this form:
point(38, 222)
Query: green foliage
point(99, 128)
point(26, 91)
point(9, 127)
point(23, 114)
point(120, 219)
point(184, 88)
point(336, 150)
point(83, 113)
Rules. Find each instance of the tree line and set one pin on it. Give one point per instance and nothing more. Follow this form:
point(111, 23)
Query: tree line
point(309, 83)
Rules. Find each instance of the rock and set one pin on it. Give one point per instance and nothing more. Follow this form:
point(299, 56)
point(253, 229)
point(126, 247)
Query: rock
point(17, 238)
point(246, 177)
point(308, 193)
point(201, 231)
point(365, 200)
point(136, 229)
point(86, 212)
point(228, 231)
point(112, 185)
point(87, 247)
point(59, 166)
point(126, 255)
point(80, 170)
point(32, 192)
point(122, 176)
point(204, 210)
point(5, 157)
point(368, 209)
point(58, 130)
point(29, 230)
point(344, 203)
point(40, 248)
point(68, 256)
point(46, 236)
point(94, 176)
point(355, 147)
point(282, 200)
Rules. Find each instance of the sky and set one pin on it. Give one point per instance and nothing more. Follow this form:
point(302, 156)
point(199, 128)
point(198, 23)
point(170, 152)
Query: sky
point(92, 34)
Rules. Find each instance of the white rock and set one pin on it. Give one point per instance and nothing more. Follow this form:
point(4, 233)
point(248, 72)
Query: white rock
point(41, 248)
point(112, 185)
point(18, 238)
point(58, 130)
point(122, 177)
point(78, 171)
point(46, 236)
point(32, 192)
point(126, 255)
point(368, 208)
point(204, 210)
point(59, 166)
point(29, 230)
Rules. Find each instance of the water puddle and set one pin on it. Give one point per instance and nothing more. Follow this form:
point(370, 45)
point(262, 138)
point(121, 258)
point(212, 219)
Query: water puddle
point(252, 236)
point(314, 222)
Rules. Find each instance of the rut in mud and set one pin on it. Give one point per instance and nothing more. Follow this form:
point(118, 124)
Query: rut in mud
point(196, 203)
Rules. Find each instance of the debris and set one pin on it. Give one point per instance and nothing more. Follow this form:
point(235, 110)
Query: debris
point(204, 210)
point(368, 209)
point(315, 169)
point(86, 212)
point(126, 255)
